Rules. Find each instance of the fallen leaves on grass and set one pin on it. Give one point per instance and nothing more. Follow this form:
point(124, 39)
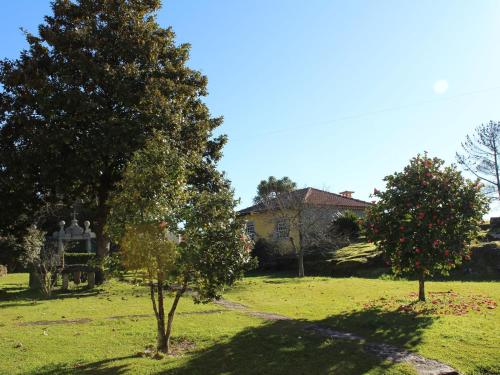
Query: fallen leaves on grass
point(178, 346)
point(438, 303)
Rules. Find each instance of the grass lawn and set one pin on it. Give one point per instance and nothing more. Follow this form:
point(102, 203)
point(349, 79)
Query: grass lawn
point(369, 307)
point(228, 342)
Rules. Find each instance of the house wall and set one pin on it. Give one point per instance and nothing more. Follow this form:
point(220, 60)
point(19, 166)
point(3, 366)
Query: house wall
point(265, 225)
point(317, 221)
point(321, 216)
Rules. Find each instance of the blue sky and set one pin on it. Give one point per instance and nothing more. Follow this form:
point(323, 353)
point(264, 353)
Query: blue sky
point(335, 95)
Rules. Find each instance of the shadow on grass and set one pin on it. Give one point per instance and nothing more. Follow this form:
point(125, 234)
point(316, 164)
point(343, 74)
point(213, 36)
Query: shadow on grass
point(285, 347)
point(15, 295)
point(94, 368)
point(281, 347)
point(400, 329)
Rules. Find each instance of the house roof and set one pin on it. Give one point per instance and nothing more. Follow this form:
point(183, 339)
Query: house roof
point(315, 197)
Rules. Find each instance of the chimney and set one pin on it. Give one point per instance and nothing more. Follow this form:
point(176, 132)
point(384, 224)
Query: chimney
point(346, 194)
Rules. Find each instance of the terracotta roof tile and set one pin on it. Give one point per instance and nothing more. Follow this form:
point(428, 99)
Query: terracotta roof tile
point(317, 197)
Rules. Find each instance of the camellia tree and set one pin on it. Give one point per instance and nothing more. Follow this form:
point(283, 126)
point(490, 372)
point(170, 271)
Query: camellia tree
point(426, 218)
point(155, 205)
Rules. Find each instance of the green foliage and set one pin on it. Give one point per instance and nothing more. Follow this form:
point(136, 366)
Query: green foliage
point(153, 189)
point(267, 251)
point(215, 251)
point(271, 187)
point(42, 258)
point(426, 218)
point(33, 247)
point(153, 204)
point(90, 89)
point(113, 266)
point(346, 225)
point(78, 258)
point(10, 252)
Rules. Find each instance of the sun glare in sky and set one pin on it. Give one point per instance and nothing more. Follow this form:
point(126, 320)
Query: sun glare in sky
point(440, 86)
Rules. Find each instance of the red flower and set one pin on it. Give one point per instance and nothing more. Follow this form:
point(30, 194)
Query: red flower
point(401, 228)
point(417, 250)
point(402, 239)
point(417, 263)
point(421, 215)
point(436, 243)
point(430, 225)
point(446, 253)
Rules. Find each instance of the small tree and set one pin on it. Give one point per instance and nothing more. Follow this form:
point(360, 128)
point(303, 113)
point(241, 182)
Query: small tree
point(153, 205)
point(481, 155)
point(272, 187)
point(42, 258)
point(426, 218)
point(291, 208)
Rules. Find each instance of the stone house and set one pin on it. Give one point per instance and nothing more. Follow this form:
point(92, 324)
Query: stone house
point(299, 216)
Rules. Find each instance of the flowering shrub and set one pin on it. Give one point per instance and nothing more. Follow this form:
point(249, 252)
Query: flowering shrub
point(426, 218)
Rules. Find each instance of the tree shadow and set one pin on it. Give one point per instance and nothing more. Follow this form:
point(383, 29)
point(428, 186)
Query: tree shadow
point(289, 347)
point(94, 368)
point(23, 296)
point(284, 347)
point(402, 329)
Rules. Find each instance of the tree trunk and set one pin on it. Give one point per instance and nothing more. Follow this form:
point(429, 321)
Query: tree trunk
point(171, 314)
point(102, 241)
point(421, 287)
point(300, 257)
point(497, 173)
point(301, 263)
point(301, 254)
point(162, 342)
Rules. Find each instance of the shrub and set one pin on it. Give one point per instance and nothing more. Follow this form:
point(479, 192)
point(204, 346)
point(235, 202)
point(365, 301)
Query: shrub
point(78, 258)
point(346, 224)
point(267, 251)
point(113, 266)
point(42, 258)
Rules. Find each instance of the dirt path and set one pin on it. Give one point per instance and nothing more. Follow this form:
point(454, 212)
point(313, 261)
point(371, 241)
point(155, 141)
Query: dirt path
point(422, 365)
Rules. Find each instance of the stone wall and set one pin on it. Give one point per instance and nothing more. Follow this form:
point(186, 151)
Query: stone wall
point(317, 220)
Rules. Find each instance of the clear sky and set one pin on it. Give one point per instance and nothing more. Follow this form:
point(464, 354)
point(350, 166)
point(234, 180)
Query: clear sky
point(333, 94)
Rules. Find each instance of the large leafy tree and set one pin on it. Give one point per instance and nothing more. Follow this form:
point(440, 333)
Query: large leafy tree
point(272, 187)
point(93, 84)
point(153, 205)
point(426, 218)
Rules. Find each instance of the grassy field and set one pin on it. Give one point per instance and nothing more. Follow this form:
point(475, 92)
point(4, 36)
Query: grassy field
point(114, 323)
point(467, 341)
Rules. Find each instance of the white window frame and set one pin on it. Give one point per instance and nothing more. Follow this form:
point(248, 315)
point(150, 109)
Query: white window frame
point(282, 230)
point(250, 229)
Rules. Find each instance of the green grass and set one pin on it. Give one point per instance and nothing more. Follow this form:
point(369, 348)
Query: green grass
point(356, 252)
point(226, 342)
point(470, 343)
